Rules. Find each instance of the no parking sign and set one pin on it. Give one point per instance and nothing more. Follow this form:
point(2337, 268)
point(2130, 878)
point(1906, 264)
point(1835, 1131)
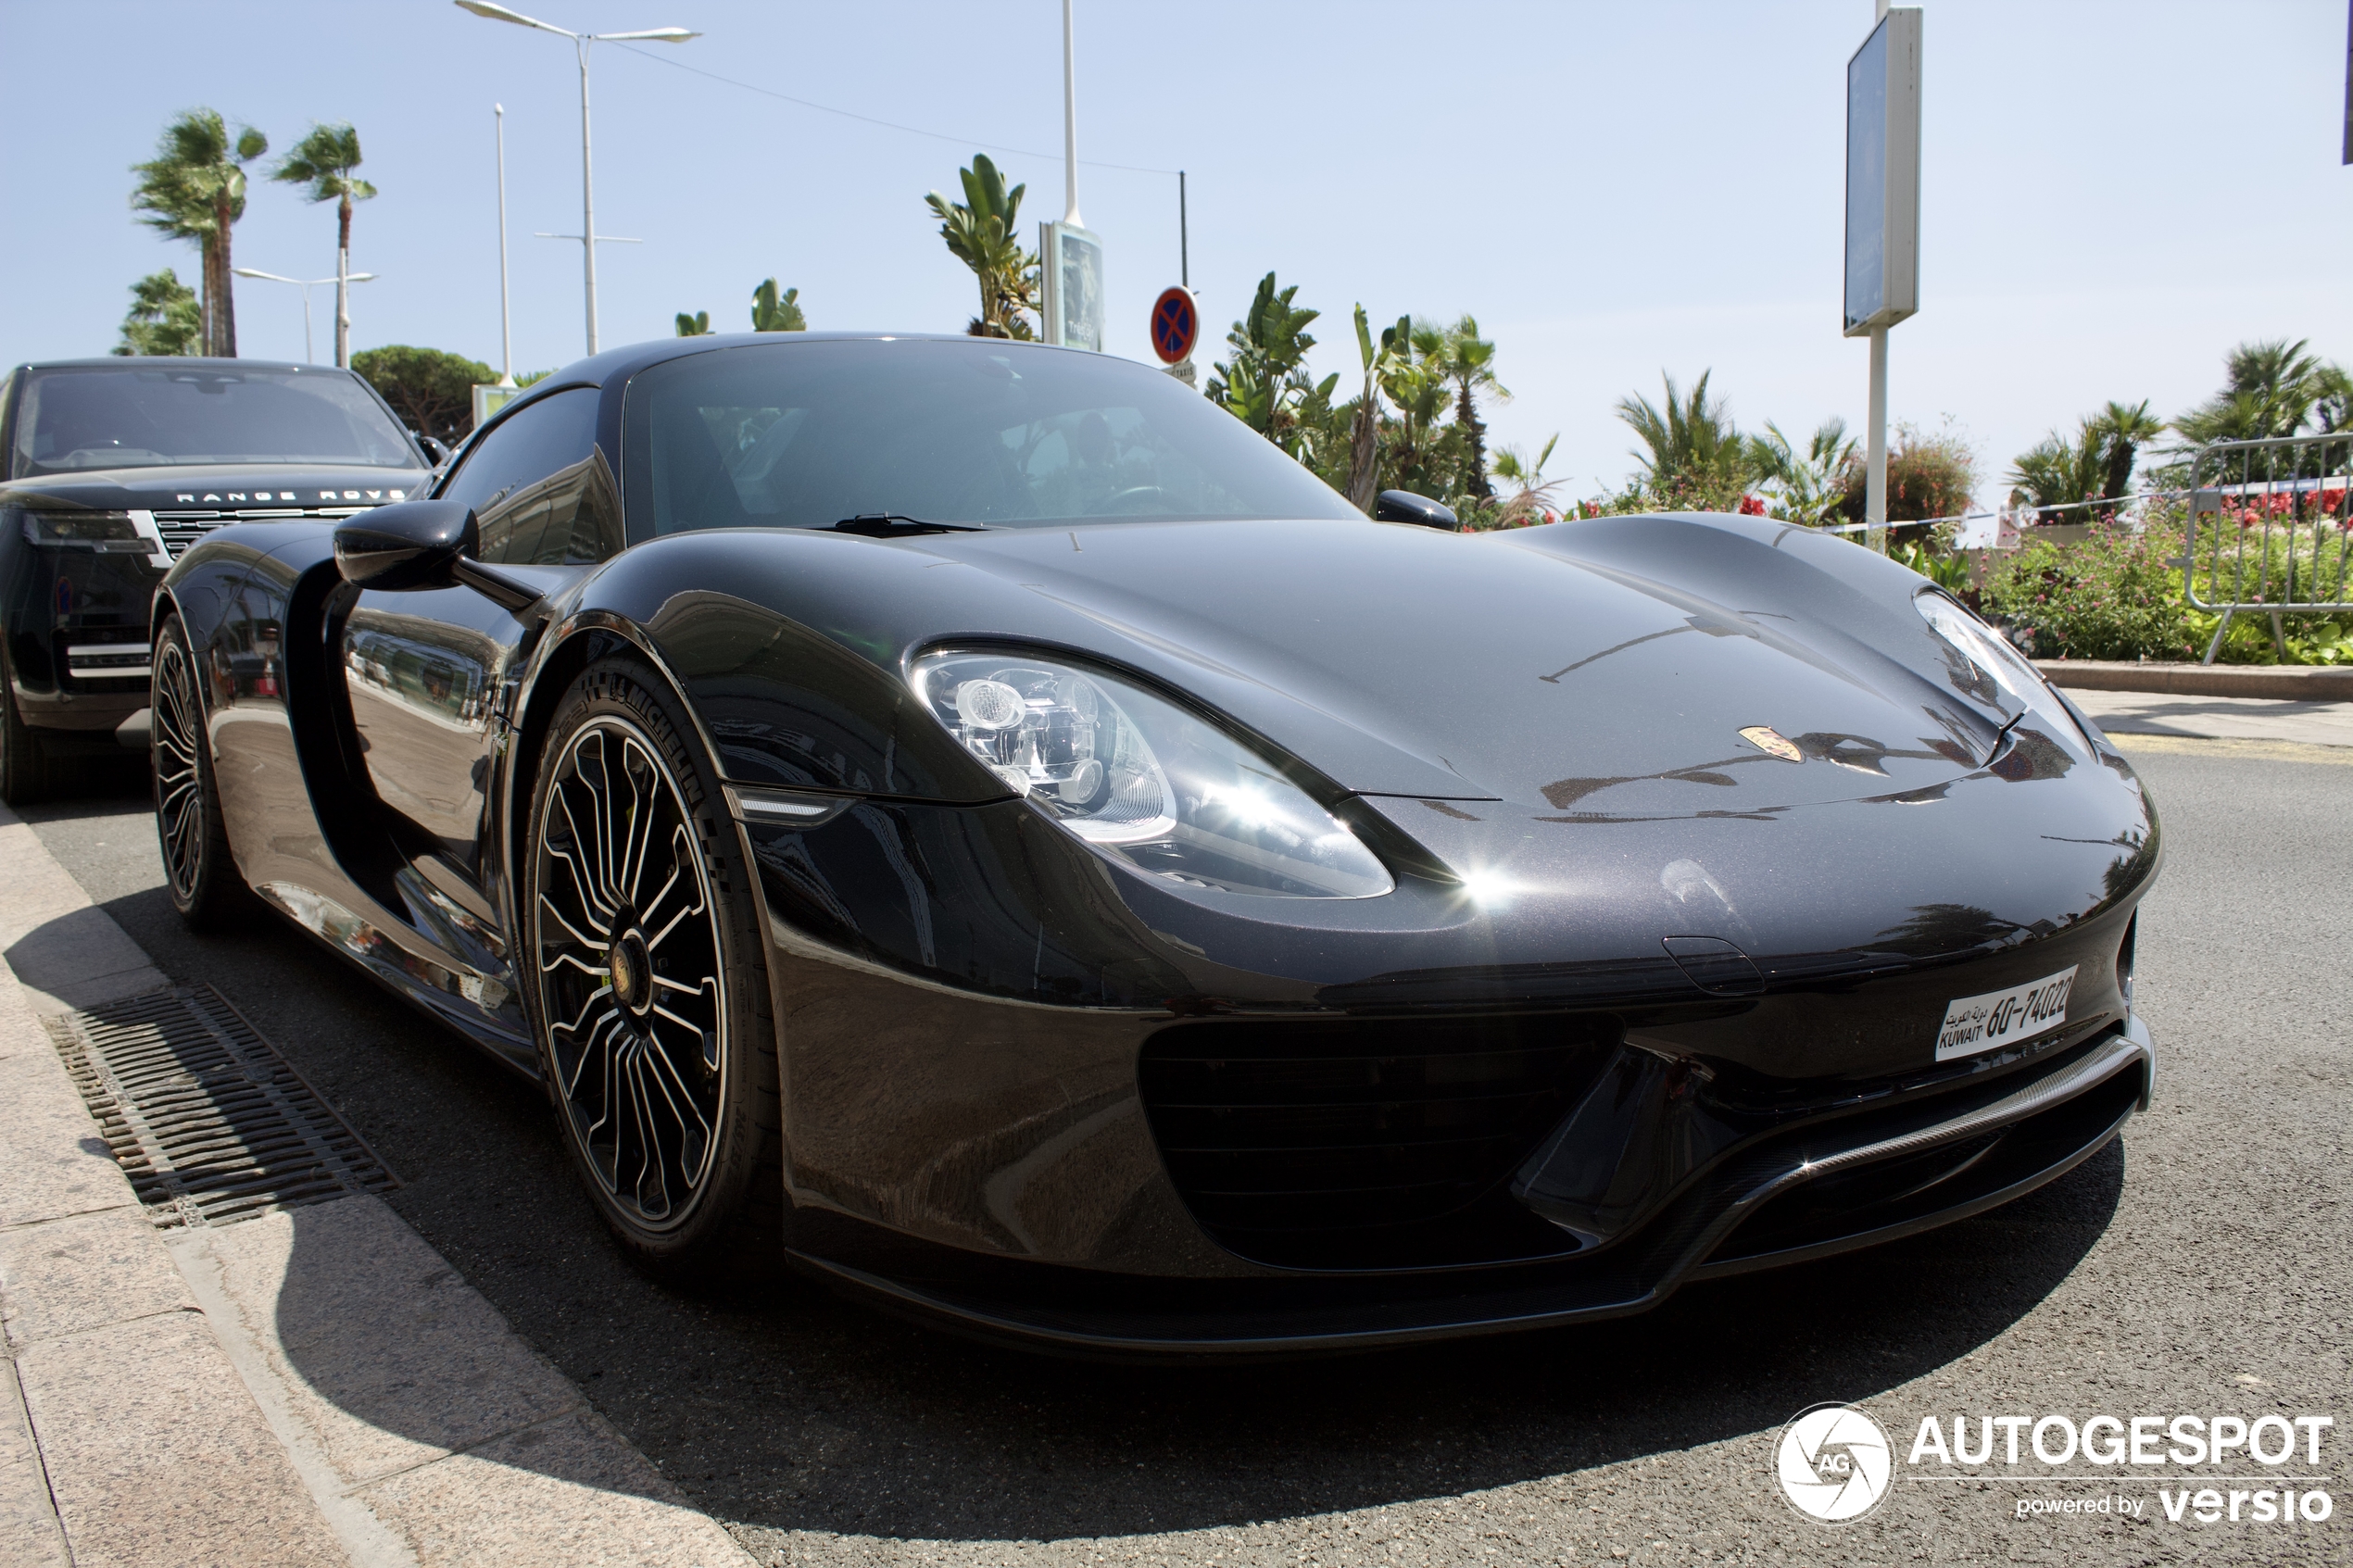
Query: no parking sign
point(1175, 325)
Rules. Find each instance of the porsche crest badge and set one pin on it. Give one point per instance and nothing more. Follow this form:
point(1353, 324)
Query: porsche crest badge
point(1770, 741)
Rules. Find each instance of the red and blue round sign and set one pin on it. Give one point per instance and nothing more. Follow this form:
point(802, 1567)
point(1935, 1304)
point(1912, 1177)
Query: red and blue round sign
point(1175, 325)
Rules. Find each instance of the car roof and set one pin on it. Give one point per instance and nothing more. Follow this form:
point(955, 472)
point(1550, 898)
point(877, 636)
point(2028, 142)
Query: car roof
point(116, 361)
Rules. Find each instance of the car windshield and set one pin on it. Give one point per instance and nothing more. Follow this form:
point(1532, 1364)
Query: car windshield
point(807, 434)
point(144, 416)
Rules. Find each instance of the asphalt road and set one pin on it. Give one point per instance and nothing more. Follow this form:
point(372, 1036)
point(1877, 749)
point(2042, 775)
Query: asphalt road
point(2199, 1267)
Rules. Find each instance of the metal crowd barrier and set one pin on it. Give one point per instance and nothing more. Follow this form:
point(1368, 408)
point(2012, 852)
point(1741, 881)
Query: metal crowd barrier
point(2269, 529)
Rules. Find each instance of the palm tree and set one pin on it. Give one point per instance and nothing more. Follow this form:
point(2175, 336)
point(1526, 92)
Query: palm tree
point(1805, 486)
point(1467, 360)
point(2124, 428)
point(2096, 464)
point(2270, 391)
point(193, 189)
point(1692, 439)
point(164, 317)
point(983, 231)
point(323, 160)
point(1534, 494)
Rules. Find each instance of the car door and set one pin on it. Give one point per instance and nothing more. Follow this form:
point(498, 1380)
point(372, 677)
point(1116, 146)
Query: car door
point(428, 673)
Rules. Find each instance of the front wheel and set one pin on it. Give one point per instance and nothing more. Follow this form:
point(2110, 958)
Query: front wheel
point(650, 981)
point(200, 872)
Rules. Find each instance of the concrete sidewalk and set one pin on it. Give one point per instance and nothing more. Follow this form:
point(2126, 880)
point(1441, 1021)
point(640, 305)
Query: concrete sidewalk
point(312, 1386)
point(2218, 718)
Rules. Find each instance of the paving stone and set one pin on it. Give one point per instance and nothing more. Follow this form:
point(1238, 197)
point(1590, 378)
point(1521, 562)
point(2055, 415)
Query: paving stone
point(387, 1354)
point(53, 1163)
point(567, 1491)
point(157, 1455)
point(29, 1533)
point(68, 1275)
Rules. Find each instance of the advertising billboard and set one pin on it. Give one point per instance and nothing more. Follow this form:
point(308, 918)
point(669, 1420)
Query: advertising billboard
point(1883, 174)
point(1071, 263)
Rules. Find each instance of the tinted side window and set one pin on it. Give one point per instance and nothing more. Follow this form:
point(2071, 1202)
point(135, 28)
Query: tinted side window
point(541, 492)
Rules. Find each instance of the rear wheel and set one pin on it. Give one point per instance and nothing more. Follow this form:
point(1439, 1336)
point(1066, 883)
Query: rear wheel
point(25, 766)
point(200, 872)
point(649, 982)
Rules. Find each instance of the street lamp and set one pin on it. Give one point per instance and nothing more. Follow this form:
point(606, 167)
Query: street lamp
point(587, 182)
point(306, 285)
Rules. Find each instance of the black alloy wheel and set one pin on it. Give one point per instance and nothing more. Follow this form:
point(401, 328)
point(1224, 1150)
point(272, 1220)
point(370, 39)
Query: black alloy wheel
point(200, 872)
point(650, 982)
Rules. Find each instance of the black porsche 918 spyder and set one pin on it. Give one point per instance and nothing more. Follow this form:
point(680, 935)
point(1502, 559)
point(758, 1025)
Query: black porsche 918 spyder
point(976, 818)
point(114, 467)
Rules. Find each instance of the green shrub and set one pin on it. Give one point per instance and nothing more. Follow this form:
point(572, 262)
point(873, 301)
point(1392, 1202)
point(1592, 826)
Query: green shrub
point(2111, 597)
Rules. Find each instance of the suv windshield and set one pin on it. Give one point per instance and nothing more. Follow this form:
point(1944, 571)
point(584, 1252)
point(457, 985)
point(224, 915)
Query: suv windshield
point(805, 434)
point(141, 415)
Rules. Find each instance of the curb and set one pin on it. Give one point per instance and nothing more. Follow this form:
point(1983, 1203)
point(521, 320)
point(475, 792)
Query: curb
point(2294, 683)
point(312, 1387)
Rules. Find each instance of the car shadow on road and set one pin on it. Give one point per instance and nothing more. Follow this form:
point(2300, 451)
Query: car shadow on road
point(788, 1409)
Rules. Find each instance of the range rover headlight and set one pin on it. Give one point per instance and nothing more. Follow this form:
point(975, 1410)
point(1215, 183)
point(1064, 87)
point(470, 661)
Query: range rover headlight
point(102, 529)
point(1991, 660)
point(1136, 777)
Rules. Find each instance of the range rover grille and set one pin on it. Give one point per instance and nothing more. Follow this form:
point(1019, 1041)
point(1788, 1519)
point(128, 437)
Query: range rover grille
point(1366, 1144)
point(181, 528)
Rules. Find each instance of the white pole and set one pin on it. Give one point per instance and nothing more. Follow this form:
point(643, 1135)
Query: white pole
point(1875, 483)
point(506, 326)
point(1875, 472)
point(308, 357)
point(1070, 125)
point(343, 307)
point(588, 203)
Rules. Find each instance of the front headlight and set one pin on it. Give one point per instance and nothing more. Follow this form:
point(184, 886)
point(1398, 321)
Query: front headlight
point(1991, 662)
point(101, 530)
point(1136, 777)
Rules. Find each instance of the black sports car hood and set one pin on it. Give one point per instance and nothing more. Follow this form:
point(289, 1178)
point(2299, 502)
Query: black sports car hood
point(1588, 667)
point(1602, 668)
point(218, 487)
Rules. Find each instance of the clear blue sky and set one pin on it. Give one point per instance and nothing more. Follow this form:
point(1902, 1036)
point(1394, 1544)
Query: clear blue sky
point(2114, 194)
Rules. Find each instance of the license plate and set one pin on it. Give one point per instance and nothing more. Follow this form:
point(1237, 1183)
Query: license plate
point(2003, 1018)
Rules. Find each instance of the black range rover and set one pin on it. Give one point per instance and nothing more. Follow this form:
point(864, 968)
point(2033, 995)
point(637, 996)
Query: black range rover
point(114, 467)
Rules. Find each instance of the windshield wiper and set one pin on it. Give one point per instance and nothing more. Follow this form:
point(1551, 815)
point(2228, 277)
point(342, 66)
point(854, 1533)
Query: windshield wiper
point(893, 525)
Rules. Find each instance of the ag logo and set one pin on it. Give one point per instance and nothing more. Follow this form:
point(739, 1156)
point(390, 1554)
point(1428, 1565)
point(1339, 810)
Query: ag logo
point(1835, 1462)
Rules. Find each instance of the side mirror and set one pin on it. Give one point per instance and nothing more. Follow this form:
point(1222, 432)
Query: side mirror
point(435, 449)
point(1403, 506)
point(407, 544)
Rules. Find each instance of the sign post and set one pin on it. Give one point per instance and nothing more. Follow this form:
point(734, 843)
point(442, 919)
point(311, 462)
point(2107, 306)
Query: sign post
point(1883, 215)
point(1176, 327)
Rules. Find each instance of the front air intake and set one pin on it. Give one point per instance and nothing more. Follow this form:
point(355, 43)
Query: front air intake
point(1371, 1144)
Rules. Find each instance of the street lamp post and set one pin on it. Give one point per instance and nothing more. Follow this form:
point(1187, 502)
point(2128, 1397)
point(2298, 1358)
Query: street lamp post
point(306, 285)
point(587, 178)
point(506, 324)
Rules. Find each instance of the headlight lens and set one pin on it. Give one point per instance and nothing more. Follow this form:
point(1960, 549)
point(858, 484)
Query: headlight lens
point(78, 528)
point(1992, 663)
point(1139, 777)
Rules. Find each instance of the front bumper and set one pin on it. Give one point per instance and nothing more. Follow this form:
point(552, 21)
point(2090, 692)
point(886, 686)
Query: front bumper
point(1828, 1185)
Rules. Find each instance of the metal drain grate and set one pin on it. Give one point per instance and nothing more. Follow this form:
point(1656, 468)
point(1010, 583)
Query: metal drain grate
point(211, 1124)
